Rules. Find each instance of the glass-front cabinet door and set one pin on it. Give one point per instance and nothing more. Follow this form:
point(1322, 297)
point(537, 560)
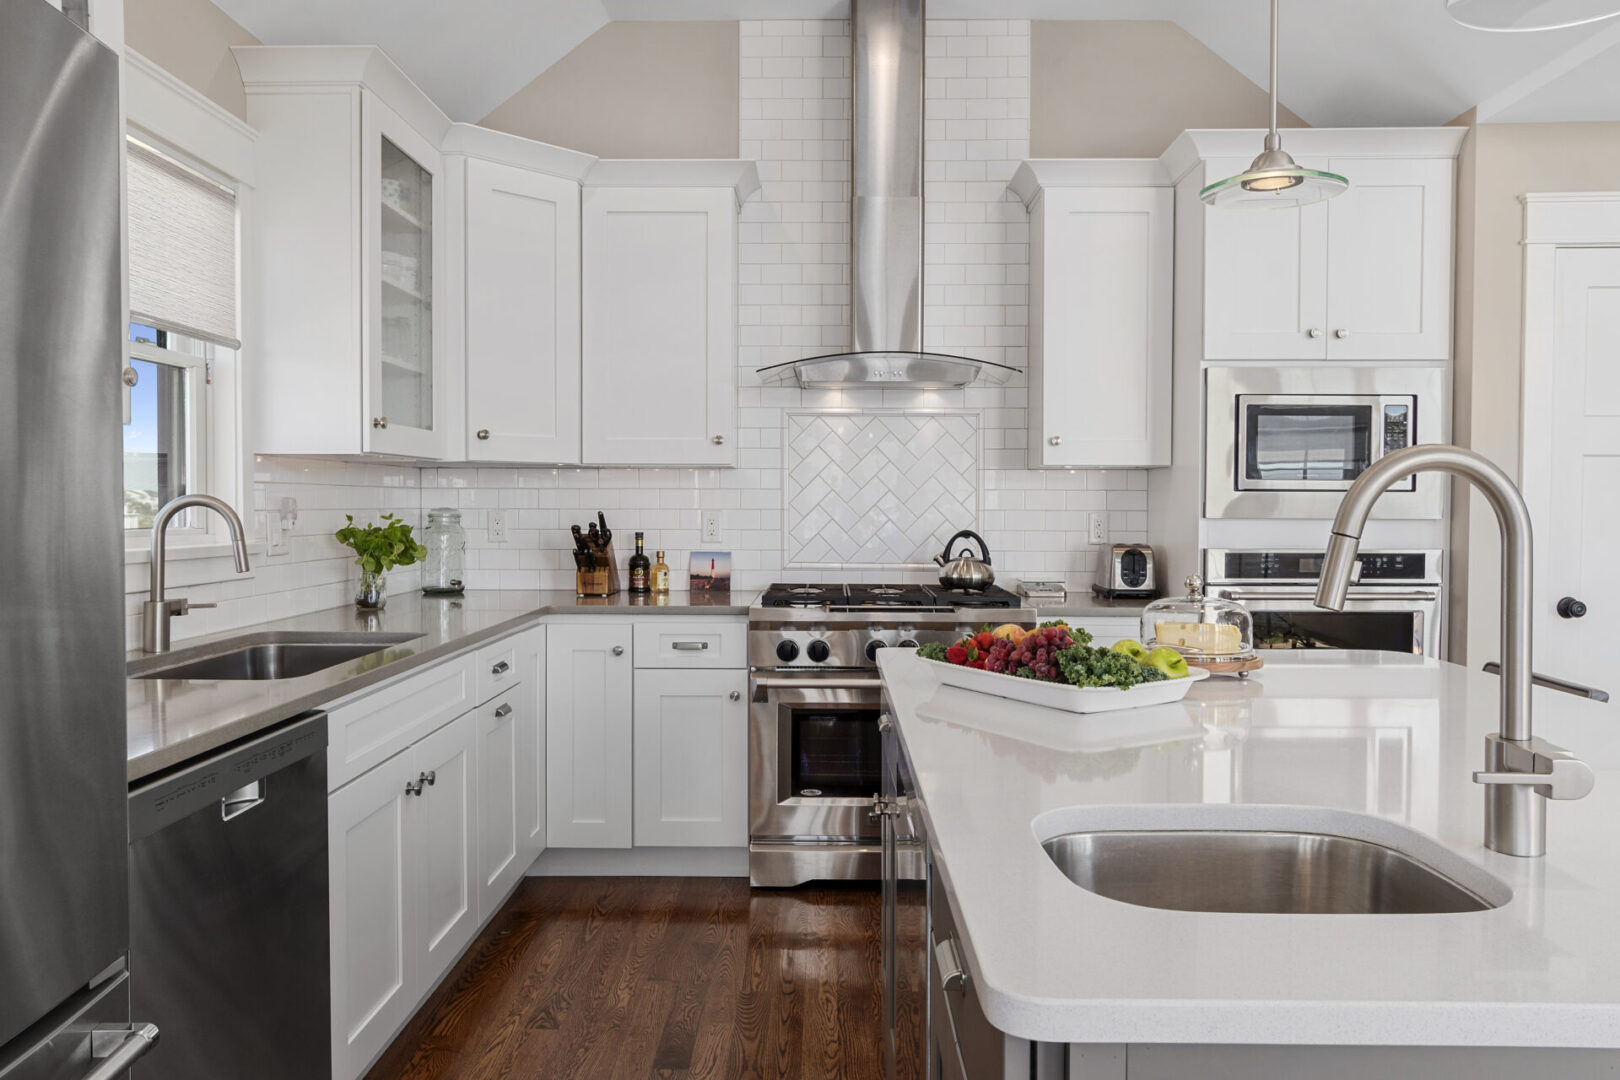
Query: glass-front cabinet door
point(403, 201)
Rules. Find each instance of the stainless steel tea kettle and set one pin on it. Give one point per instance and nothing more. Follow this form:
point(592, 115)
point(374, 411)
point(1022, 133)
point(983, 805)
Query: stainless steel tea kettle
point(964, 571)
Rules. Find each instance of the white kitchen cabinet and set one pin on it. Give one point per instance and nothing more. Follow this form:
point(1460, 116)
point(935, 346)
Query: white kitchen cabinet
point(588, 736)
point(443, 831)
point(691, 758)
point(343, 275)
point(1364, 276)
point(522, 315)
point(660, 311)
point(500, 765)
point(1101, 288)
point(376, 966)
point(531, 736)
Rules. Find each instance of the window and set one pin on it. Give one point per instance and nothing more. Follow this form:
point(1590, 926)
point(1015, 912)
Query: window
point(182, 289)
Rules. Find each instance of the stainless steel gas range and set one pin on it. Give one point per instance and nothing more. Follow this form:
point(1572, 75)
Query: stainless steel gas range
point(814, 738)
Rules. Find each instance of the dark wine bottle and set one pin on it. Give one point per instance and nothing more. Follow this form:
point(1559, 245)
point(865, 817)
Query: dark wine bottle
point(640, 569)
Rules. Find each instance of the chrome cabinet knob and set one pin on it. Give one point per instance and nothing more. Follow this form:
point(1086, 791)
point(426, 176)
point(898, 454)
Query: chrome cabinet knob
point(428, 777)
point(618, 650)
point(1056, 440)
point(379, 421)
point(413, 787)
point(1568, 608)
point(1314, 332)
point(1341, 334)
point(735, 695)
point(719, 440)
point(483, 434)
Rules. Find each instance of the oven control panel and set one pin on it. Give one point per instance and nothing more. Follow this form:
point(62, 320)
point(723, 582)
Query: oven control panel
point(1305, 567)
point(812, 648)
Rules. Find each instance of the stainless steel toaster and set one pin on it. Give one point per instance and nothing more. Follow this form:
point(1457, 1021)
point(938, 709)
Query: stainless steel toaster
point(1128, 572)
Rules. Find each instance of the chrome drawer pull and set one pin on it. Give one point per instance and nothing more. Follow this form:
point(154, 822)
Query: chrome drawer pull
point(501, 668)
point(504, 710)
point(689, 646)
point(241, 800)
point(952, 972)
point(115, 1063)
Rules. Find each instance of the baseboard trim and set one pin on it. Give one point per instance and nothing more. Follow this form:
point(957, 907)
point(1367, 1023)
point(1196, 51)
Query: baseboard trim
point(641, 862)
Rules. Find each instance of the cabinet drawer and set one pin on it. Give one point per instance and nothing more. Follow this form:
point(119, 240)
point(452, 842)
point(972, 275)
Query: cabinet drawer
point(363, 733)
point(694, 643)
point(497, 668)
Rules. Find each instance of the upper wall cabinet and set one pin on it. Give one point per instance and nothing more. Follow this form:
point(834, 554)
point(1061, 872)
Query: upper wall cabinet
point(660, 311)
point(345, 267)
point(1365, 276)
point(520, 294)
point(1102, 250)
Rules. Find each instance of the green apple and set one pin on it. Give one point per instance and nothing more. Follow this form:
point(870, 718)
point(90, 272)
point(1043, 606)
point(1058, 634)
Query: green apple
point(1168, 661)
point(1131, 648)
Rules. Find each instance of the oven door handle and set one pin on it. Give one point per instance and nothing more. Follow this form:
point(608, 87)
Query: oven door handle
point(1240, 595)
point(771, 682)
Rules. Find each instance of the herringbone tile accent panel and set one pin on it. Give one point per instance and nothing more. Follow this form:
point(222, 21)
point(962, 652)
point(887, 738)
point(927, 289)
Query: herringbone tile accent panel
point(883, 489)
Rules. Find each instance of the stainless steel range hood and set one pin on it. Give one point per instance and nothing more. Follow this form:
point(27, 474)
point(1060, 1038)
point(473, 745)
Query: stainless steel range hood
point(886, 220)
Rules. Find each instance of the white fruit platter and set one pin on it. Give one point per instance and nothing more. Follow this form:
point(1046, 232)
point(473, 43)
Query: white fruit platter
point(1057, 695)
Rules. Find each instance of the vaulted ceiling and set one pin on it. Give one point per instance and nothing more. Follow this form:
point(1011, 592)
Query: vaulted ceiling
point(1344, 62)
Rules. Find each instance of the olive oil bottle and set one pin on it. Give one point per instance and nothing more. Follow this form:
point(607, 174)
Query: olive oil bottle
point(660, 575)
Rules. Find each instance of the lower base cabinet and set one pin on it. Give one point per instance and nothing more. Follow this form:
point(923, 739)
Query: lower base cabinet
point(691, 758)
point(402, 887)
point(588, 704)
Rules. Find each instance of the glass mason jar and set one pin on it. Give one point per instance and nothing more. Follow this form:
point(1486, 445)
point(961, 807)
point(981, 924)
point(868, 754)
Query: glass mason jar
point(372, 589)
point(444, 569)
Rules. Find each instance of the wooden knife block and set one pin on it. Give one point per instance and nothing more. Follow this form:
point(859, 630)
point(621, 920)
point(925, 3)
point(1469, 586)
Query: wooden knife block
point(602, 581)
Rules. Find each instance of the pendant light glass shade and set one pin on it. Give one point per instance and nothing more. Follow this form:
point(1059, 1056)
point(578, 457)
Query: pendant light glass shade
point(1273, 180)
point(1526, 15)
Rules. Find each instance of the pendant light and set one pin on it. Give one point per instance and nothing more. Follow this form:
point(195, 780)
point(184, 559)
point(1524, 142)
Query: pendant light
point(1525, 15)
point(1274, 180)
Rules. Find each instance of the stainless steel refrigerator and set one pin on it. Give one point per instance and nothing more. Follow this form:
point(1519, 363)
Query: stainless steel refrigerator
point(64, 923)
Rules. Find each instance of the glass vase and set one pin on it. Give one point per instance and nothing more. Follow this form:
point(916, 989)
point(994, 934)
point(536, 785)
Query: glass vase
point(371, 592)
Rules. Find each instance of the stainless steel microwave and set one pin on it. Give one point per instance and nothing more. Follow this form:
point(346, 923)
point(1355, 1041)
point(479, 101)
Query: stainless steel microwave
point(1288, 442)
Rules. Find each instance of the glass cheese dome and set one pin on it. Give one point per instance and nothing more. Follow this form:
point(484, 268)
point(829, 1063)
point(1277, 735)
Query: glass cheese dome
point(1199, 627)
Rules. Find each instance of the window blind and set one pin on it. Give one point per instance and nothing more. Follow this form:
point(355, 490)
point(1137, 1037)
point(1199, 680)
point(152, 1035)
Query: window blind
point(182, 248)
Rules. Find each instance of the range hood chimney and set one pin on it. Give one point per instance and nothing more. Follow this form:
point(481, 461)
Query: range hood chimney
point(886, 220)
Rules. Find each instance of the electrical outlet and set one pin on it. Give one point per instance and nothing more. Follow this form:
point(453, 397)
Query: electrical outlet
point(278, 525)
point(711, 526)
point(497, 526)
point(1097, 526)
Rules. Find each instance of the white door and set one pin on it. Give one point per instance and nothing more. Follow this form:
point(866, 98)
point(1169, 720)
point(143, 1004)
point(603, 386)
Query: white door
point(1265, 277)
point(500, 760)
point(588, 712)
point(531, 735)
point(691, 758)
point(443, 845)
point(1572, 463)
point(402, 200)
point(376, 978)
point(1389, 260)
point(1103, 369)
point(660, 314)
point(522, 315)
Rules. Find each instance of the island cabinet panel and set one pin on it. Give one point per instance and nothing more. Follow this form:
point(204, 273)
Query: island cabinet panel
point(1101, 326)
point(659, 295)
point(522, 312)
point(588, 736)
point(691, 758)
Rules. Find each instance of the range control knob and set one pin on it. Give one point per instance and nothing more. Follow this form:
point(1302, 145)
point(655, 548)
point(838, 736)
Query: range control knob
point(787, 651)
point(818, 651)
point(909, 643)
point(872, 648)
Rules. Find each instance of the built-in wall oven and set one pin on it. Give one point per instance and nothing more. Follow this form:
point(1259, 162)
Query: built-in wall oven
point(1288, 442)
point(1394, 602)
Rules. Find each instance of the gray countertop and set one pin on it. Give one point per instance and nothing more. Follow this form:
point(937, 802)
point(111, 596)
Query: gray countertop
point(172, 721)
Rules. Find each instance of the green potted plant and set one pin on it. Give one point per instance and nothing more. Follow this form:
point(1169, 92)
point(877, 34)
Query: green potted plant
point(377, 550)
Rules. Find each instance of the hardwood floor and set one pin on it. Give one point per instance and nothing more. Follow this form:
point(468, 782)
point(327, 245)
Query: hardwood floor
point(607, 978)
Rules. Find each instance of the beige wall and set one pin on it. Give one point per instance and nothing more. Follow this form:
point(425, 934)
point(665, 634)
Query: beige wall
point(190, 39)
point(1127, 89)
point(1499, 163)
point(636, 89)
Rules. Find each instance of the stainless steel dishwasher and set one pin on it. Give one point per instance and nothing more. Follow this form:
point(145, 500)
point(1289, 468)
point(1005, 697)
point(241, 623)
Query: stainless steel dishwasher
point(229, 933)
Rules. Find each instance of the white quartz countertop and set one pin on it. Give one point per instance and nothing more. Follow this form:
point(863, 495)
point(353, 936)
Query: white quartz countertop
point(1381, 744)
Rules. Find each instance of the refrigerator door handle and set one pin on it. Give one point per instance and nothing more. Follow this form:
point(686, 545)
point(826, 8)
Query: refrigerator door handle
point(123, 1053)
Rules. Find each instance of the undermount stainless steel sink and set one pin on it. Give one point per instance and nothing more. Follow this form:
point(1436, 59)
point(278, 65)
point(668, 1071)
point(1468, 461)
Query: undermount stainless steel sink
point(1280, 873)
point(265, 656)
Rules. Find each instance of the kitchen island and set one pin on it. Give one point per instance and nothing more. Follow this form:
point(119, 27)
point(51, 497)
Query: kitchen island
point(1376, 746)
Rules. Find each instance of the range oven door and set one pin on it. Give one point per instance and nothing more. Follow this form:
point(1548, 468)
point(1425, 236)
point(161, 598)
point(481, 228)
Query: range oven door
point(1318, 442)
point(1404, 620)
point(815, 758)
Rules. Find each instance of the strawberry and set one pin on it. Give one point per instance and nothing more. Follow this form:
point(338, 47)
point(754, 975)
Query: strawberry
point(985, 640)
point(956, 655)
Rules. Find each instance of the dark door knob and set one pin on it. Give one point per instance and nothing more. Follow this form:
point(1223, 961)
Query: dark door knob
point(1571, 608)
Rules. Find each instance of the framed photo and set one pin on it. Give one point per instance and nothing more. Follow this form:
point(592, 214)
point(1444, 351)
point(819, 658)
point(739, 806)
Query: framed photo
point(711, 571)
